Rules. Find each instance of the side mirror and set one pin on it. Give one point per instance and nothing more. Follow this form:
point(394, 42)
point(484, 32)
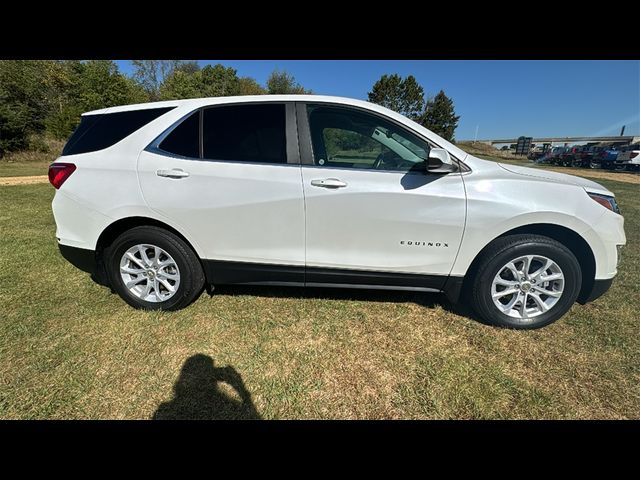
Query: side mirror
point(440, 161)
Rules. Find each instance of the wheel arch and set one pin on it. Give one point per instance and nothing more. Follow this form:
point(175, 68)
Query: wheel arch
point(568, 237)
point(113, 230)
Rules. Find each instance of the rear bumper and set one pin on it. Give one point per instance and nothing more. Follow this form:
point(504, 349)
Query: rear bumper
point(600, 287)
point(80, 258)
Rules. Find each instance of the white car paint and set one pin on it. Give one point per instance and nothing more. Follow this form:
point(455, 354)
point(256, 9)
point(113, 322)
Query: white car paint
point(271, 214)
point(503, 197)
point(362, 225)
point(629, 156)
point(237, 212)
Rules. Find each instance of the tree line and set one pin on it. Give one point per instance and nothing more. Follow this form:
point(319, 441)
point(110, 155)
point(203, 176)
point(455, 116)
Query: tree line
point(406, 96)
point(46, 97)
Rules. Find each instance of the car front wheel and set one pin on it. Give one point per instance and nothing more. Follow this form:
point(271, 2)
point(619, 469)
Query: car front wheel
point(525, 282)
point(154, 269)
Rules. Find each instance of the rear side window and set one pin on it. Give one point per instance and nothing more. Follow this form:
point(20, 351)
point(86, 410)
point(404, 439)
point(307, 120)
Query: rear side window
point(97, 132)
point(248, 133)
point(185, 138)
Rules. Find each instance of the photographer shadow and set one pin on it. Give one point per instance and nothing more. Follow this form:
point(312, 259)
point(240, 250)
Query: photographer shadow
point(199, 395)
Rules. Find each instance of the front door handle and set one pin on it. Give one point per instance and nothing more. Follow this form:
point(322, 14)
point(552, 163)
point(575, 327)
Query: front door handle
point(328, 183)
point(173, 173)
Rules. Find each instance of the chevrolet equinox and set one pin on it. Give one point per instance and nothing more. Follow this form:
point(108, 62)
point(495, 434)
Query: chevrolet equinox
point(160, 199)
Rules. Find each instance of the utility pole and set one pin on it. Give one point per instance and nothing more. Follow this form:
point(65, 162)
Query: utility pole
point(476, 136)
point(622, 131)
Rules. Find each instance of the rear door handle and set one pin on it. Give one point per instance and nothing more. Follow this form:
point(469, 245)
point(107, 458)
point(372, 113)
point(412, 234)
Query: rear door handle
point(328, 183)
point(173, 173)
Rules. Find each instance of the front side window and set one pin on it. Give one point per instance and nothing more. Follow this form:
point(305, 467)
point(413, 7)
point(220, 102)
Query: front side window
point(348, 138)
point(248, 133)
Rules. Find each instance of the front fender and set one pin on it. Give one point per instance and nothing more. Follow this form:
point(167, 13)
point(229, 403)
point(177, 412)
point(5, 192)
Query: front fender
point(478, 235)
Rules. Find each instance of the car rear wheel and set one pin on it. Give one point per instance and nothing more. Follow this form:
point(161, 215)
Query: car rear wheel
point(525, 282)
point(154, 269)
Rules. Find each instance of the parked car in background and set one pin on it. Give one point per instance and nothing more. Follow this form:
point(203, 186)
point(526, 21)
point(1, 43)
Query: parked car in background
point(556, 156)
point(629, 158)
point(587, 157)
point(607, 158)
point(568, 157)
point(546, 158)
point(537, 153)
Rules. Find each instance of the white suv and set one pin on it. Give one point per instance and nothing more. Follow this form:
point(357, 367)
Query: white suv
point(629, 158)
point(157, 200)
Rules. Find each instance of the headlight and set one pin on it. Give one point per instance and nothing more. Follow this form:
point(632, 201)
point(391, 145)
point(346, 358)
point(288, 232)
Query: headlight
point(606, 201)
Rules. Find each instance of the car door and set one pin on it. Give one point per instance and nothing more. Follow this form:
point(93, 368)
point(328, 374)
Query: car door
point(229, 176)
point(374, 214)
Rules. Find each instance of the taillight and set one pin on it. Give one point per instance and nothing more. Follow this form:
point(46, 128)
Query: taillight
point(59, 172)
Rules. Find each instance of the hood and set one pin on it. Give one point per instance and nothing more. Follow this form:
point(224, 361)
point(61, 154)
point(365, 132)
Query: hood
point(556, 177)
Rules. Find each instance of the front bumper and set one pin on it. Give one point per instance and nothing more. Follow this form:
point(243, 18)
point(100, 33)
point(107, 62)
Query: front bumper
point(600, 287)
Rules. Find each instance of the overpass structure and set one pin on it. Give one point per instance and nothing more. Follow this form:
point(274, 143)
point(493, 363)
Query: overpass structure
point(538, 140)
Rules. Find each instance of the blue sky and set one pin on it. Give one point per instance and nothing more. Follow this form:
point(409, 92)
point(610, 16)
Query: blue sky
point(504, 98)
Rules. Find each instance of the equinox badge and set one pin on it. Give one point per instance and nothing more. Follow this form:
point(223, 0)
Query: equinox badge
point(412, 243)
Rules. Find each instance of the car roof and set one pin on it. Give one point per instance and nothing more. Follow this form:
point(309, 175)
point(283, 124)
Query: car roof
point(200, 102)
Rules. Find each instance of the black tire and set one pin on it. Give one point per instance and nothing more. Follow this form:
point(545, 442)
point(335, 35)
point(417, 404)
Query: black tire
point(498, 254)
point(191, 274)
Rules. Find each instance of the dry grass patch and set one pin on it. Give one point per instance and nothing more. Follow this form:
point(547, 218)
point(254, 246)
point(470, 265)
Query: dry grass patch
point(600, 174)
point(24, 180)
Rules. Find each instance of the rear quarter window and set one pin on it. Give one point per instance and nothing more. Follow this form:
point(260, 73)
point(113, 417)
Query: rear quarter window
point(97, 132)
point(184, 140)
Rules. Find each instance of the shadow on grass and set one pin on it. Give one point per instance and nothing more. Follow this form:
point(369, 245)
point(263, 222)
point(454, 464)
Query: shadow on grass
point(198, 396)
point(424, 299)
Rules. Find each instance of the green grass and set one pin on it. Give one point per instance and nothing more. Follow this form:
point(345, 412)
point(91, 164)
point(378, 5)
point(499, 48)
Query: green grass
point(22, 169)
point(30, 162)
point(71, 349)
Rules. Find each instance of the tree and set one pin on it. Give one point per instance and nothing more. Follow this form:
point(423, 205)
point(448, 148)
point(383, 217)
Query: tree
point(283, 83)
point(402, 95)
point(102, 85)
point(64, 90)
point(152, 73)
point(248, 86)
point(181, 84)
point(210, 81)
point(219, 81)
point(439, 116)
point(89, 85)
point(23, 102)
point(189, 67)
